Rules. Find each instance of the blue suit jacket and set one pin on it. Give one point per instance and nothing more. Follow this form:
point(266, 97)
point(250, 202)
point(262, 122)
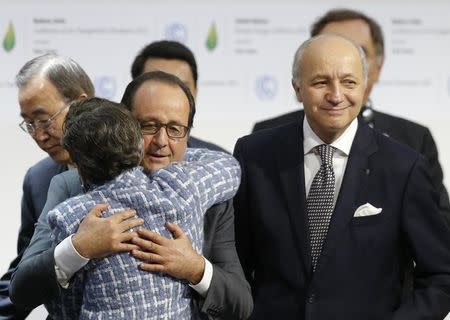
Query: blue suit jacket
point(35, 186)
point(360, 271)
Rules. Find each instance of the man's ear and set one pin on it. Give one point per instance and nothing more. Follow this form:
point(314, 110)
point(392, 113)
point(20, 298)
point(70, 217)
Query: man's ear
point(82, 96)
point(297, 90)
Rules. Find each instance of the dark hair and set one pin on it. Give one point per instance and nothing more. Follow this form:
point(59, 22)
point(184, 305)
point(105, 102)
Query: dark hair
point(337, 15)
point(64, 73)
point(166, 50)
point(102, 138)
point(158, 76)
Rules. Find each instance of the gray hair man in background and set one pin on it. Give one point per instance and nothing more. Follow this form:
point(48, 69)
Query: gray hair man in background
point(47, 85)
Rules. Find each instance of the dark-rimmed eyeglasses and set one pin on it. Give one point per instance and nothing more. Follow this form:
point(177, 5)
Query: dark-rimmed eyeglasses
point(175, 131)
point(31, 127)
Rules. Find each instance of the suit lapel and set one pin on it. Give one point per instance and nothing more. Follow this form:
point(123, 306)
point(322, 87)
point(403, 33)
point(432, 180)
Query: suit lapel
point(353, 190)
point(292, 178)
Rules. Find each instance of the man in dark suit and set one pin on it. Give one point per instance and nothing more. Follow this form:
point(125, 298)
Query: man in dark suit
point(368, 34)
point(177, 59)
point(43, 98)
point(218, 279)
point(330, 212)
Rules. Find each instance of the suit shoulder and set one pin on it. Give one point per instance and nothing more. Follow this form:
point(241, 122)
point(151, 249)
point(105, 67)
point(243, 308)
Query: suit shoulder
point(279, 120)
point(400, 123)
point(46, 167)
point(68, 177)
point(65, 185)
point(197, 143)
point(38, 177)
point(393, 149)
point(269, 139)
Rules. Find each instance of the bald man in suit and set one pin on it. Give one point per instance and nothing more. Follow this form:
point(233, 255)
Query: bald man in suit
point(343, 258)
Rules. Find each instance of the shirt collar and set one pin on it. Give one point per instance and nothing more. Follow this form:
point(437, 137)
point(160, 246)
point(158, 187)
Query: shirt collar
point(343, 143)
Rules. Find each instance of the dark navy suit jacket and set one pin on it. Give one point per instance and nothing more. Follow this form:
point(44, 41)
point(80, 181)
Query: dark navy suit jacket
point(404, 131)
point(197, 143)
point(35, 186)
point(360, 271)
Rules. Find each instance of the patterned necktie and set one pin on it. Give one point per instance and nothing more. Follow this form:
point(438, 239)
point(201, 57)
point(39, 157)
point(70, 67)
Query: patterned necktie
point(319, 203)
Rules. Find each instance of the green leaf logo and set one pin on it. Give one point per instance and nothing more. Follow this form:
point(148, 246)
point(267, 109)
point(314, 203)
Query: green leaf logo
point(10, 38)
point(211, 41)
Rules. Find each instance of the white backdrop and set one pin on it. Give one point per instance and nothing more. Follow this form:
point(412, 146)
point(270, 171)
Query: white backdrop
point(245, 77)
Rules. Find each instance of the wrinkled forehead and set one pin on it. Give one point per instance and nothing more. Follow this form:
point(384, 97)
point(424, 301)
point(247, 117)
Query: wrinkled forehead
point(332, 44)
point(39, 96)
point(160, 101)
point(332, 51)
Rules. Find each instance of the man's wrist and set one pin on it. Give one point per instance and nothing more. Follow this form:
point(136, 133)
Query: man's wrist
point(203, 285)
point(67, 261)
point(77, 246)
point(197, 276)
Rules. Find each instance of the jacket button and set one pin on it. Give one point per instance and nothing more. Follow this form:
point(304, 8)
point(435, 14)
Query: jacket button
point(312, 298)
point(213, 312)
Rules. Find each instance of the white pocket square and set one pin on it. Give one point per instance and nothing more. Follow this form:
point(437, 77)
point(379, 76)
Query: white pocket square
point(367, 210)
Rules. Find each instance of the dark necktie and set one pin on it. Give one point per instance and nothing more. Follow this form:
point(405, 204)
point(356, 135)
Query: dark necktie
point(319, 203)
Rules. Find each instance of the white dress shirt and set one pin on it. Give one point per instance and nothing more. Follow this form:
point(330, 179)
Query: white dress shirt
point(312, 162)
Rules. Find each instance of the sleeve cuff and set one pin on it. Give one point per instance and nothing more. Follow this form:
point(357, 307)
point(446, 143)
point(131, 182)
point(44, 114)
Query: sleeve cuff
point(67, 261)
point(203, 286)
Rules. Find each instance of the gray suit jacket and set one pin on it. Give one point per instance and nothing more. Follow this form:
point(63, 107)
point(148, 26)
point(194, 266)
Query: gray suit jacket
point(229, 296)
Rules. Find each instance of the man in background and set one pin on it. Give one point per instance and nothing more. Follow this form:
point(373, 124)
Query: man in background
point(368, 34)
point(47, 85)
point(177, 59)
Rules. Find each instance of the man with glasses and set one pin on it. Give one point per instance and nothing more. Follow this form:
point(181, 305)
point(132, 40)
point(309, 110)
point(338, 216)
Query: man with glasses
point(47, 84)
point(179, 194)
point(177, 59)
point(31, 127)
point(221, 291)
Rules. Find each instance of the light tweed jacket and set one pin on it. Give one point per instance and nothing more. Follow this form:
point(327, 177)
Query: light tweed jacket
point(114, 287)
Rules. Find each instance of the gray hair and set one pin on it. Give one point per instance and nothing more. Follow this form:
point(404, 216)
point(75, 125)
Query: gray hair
point(64, 73)
point(301, 50)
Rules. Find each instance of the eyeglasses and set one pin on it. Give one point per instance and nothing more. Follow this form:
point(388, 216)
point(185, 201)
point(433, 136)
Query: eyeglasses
point(175, 131)
point(31, 127)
